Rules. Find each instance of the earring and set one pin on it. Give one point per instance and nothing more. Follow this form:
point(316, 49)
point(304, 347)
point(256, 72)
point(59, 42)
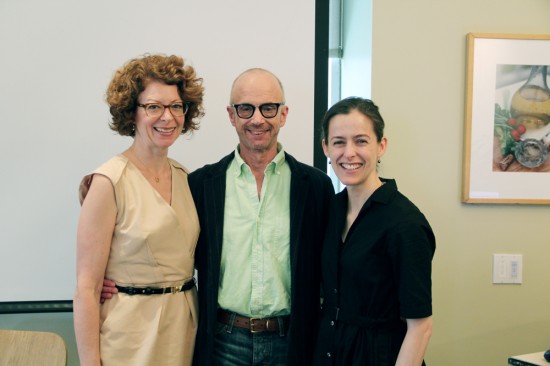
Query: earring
point(378, 161)
point(329, 162)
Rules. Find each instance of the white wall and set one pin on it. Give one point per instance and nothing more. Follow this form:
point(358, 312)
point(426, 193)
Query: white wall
point(419, 76)
point(57, 58)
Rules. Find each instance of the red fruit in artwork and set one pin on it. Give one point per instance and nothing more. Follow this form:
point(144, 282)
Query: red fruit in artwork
point(512, 121)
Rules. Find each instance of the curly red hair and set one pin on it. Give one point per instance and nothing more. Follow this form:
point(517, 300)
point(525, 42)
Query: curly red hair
point(132, 78)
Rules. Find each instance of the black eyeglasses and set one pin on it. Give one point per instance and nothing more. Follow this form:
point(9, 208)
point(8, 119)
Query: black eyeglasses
point(268, 110)
point(157, 109)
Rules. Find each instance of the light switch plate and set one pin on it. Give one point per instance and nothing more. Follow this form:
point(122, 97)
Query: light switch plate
point(508, 268)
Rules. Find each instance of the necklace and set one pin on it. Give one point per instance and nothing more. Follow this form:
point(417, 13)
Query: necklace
point(155, 178)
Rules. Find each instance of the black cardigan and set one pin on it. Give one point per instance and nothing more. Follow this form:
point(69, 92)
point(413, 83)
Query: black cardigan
point(310, 193)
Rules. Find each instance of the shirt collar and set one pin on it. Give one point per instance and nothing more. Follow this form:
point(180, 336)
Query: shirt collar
point(274, 166)
point(384, 194)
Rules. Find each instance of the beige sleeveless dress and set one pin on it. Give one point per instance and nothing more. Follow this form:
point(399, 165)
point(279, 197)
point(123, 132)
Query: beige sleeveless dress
point(153, 245)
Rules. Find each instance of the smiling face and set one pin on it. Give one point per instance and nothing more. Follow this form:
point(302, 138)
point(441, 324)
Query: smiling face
point(257, 134)
point(162, 131)
point(354, 149)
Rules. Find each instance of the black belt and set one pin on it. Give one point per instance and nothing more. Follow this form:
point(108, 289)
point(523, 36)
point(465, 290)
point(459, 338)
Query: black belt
point(254, 325)
point(155, 290)
point(364, 322)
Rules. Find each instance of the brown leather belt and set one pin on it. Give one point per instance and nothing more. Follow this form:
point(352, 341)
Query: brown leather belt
point(254, 325)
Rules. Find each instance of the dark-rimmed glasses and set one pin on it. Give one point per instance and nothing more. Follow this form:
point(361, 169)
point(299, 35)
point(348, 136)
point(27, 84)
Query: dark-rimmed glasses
point(268, 110)
point(157, 109)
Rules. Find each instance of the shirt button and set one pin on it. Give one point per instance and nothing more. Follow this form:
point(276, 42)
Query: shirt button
point(335, 290)
point(328, 354)
point(332, 323)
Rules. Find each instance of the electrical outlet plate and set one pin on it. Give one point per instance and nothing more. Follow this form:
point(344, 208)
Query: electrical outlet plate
point(508, 268)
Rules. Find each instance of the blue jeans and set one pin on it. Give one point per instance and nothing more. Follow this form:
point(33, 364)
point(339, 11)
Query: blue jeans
point(235, 346)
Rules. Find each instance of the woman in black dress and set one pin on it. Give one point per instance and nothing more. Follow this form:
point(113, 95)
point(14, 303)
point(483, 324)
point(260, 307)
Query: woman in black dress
point(377, 254)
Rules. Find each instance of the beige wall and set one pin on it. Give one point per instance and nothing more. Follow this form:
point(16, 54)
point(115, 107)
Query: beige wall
point(419, 60)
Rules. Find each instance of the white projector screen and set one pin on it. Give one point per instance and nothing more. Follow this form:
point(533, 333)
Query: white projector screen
point(57, 58)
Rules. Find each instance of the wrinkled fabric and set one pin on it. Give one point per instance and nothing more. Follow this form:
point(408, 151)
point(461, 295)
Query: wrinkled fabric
point(153, 245)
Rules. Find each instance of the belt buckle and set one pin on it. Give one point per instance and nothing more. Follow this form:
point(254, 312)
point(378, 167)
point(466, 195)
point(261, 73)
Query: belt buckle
point(252, 321)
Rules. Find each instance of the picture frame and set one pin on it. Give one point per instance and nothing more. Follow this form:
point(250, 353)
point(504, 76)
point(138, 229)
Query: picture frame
point(507, 119)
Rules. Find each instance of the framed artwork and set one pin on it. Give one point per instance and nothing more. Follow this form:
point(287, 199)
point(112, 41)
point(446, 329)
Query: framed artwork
point(507, 120)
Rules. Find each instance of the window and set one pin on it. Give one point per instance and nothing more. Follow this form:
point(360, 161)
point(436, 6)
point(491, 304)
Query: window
point(349, 55)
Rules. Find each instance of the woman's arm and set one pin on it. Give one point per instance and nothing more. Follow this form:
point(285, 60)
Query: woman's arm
point(415, 343)
point(95, 232)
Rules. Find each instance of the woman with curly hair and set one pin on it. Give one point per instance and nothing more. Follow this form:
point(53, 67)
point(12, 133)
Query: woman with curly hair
point(138, 224)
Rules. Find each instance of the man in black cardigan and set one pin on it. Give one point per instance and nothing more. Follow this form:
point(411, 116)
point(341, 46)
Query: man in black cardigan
point(229, 310)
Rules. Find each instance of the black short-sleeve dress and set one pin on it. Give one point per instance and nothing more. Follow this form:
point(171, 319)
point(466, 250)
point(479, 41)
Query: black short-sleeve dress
point(374, 280)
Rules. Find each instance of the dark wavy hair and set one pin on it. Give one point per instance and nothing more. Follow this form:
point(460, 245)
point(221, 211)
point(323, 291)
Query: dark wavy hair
point(132, 79)
point(362, 105)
